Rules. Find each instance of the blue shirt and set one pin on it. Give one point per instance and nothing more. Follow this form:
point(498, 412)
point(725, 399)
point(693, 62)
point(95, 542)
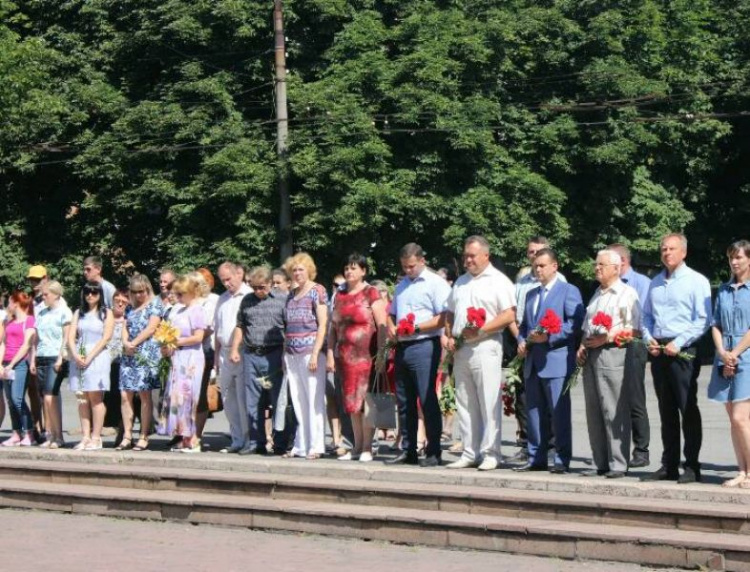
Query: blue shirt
point(639, 282)
point(425, 297)
point(677, 307)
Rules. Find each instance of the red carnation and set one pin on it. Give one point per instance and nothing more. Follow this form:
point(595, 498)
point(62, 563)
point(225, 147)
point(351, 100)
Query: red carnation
point(475, 317)
point(550, 323)
point(405, 326)
point(603, 320)
point(623, 338)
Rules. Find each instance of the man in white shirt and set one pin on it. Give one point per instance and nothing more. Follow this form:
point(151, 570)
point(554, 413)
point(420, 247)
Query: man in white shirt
point(604, 384)
point(478, 361)
point(92, 272)
point(231, 379)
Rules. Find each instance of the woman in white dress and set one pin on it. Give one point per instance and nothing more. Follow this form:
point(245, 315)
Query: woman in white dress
point(90, 331)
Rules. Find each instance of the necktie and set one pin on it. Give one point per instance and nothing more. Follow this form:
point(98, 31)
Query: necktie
point(542, 293)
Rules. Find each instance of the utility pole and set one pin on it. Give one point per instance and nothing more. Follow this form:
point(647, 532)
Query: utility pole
point(282, 131)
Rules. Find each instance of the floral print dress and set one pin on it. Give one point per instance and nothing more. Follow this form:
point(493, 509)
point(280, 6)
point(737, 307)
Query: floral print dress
point(139, 372)
point(184, 385)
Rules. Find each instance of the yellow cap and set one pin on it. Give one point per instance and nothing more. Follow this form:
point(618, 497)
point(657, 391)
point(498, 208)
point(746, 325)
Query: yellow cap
point(37, 271)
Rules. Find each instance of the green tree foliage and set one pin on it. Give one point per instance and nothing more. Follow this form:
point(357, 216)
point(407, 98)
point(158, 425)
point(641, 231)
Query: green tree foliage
point(144, 130)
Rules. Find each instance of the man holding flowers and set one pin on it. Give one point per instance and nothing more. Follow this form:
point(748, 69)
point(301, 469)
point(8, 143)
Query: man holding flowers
point(613, 311)
point(676, 314)
point(482, 303)
point(414, 322)
point(547, 339)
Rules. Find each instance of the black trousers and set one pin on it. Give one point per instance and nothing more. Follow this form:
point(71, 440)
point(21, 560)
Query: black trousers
point(676, 385)
point(635, 375)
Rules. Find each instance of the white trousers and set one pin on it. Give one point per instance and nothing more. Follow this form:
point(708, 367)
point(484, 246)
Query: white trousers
point(232, 383)
point(308, 398)
point(478, 372)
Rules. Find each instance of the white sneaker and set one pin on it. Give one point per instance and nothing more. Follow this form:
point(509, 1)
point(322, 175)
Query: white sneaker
point(348, 457)
point(488, 464)
point(365, 457)
point(461, 464)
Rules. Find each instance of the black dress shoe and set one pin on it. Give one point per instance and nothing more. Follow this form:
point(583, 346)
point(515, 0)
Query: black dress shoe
point(529, 467)
point(662, 474)
point(559, 469)
point(689, 476)
point(405, 458)
point(430, 461)
point(615, 474)
point(639, 461)
point(593, 473)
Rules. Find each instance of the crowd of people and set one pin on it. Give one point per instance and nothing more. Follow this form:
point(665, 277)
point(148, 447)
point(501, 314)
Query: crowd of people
point(287, 356)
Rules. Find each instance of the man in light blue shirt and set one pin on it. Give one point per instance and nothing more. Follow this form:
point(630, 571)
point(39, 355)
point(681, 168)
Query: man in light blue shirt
point(635, 366)
point(424, 294)
point(676, 314)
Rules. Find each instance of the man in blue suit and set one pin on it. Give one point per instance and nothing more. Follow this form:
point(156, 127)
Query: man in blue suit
point(550, 360)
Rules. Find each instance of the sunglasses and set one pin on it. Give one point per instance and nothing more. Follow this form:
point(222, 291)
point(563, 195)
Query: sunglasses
point(91, 292)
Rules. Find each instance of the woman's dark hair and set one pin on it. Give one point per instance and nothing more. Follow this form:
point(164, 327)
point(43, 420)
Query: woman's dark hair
point(359, 260)
point(93, 287)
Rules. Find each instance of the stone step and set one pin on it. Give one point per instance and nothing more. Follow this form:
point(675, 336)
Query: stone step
point(376, 471)
point(549, 505)
point(656, 547)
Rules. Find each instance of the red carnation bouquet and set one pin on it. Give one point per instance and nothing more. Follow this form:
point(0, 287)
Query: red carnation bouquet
point(549, 324)
point(406, 326)
point(601, 321)
point(475, 319)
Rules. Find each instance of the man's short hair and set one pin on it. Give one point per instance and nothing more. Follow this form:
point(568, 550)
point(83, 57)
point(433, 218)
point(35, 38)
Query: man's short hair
point(546, 251)
point(409, 250)
point(621, 249)
point(231, 265)
point(93, 261)
point(480, 240)
point(167, 270)
point(682, 238)
point(538, 239)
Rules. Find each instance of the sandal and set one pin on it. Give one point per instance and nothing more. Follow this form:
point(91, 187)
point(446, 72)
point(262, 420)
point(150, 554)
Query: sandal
point(58, 444)
point(82, 444)
point(312, 456)
point(735, 482)
point(124, 445)
point(94, 445)
point(141, 445)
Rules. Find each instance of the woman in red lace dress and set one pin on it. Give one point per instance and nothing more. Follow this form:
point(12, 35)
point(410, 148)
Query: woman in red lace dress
point(357, 331)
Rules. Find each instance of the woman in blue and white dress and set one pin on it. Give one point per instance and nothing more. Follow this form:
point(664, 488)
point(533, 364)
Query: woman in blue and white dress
point(139, 367)
point(90, 331)
point(730, 378)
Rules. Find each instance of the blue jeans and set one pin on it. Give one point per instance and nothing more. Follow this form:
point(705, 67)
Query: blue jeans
point(258, 399)
point(15, 392)
point(416, 372)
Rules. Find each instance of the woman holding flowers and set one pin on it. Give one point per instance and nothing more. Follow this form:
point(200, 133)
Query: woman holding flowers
point(140, 359)
point(356, 333)
point(307, 316)
point(730, 378)
point(16, 348)
point(90, 331)
point(186, 351)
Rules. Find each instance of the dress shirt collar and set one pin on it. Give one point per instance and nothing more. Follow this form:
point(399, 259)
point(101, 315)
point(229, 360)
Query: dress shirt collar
point(680, 271)
point(421, 276)
point(617, 286)
point(488, 271)
point(628, 276)
point(549, 285)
